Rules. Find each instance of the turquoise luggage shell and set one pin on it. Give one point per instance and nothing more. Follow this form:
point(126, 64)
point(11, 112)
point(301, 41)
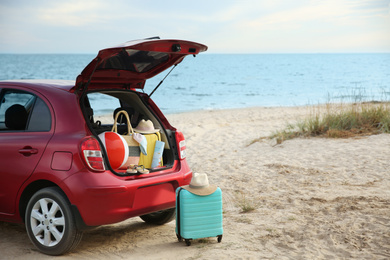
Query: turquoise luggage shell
point(198, 216)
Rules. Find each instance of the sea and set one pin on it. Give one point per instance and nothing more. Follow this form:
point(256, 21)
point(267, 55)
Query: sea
point(225, 81)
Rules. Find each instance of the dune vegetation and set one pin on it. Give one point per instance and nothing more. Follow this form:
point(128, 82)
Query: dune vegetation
point(340, 121)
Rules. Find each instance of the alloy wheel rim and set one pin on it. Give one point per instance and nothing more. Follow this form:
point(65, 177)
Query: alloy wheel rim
point(47, 222)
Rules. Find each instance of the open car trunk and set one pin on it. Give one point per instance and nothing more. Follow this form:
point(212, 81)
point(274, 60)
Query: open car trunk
point(116, 73)
point(111, 101)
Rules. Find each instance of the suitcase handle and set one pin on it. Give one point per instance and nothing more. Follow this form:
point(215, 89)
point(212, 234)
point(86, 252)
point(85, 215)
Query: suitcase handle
point(178, 214)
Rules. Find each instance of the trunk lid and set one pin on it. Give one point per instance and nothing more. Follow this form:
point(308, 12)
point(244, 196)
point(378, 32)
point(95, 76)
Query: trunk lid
point(130, 64)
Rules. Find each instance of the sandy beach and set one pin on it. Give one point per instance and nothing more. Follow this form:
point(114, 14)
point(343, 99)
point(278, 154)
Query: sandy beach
point(312, 198)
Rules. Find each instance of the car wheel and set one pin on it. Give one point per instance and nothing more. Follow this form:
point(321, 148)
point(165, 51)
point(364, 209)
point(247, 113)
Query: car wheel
point(160, 217)
point(50, 223)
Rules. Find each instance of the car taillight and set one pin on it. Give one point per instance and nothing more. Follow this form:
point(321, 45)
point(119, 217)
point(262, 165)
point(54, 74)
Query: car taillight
point(92, 154)
point(181, 145)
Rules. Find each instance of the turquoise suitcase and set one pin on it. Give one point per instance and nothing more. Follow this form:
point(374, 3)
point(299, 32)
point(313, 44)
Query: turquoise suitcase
point(198, 216)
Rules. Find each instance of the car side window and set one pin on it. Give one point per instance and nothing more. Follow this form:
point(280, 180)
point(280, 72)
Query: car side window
point(23, 111)
point(40, 119)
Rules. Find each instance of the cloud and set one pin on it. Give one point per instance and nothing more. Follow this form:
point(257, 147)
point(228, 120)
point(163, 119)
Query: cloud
point(311, 26)
point(72, 13)
point(234, 26)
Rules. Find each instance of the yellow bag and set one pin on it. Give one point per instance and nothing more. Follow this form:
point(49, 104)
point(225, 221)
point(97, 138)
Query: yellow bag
point(134, 150)
point(146, 160)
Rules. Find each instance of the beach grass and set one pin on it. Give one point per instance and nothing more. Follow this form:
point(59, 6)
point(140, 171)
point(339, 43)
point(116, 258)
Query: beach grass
point(245, 203)
point(341, 120)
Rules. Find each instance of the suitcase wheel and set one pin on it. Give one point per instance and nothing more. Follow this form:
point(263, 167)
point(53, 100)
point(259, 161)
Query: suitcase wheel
point(219, 238)
point(179, 237)
point(188, 242)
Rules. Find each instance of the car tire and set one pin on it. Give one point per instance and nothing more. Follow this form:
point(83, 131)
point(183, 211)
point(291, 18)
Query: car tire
point(50, 223)
point(160, 217)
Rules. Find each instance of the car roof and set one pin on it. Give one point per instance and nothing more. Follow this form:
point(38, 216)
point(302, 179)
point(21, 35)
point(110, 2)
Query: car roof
point(66, 85)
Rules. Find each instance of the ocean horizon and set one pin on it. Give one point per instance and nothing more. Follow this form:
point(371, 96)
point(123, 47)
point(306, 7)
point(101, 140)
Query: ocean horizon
point(224, 81)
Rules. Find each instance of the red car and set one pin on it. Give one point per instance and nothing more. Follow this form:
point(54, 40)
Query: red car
point(55, 175)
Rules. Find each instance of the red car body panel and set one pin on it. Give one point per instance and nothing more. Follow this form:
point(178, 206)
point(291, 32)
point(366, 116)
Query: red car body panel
point(101, 198)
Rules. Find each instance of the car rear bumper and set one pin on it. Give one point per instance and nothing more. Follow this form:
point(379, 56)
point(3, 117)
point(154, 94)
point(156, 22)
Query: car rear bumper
point(108, 199)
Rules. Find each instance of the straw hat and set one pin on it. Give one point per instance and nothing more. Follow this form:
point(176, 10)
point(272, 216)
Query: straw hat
point(200, 185)
point(146, 127)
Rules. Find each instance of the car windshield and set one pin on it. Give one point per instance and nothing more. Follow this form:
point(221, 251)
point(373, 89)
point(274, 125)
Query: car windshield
point(134, 60)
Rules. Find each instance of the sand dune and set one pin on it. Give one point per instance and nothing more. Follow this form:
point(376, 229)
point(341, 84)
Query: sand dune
point(312, 198)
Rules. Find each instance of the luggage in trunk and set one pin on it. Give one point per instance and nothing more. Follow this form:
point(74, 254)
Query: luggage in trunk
point(146, 160)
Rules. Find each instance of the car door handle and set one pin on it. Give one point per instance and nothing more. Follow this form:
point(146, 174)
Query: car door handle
point(27, 151)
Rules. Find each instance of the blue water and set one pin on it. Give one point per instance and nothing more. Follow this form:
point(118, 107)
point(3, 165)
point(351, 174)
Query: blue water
point(220, 81)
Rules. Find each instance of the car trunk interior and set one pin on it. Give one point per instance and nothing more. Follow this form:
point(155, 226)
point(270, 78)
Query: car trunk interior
point(100, 108)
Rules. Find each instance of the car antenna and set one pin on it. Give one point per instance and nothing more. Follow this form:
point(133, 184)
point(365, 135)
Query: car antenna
point(162, 81)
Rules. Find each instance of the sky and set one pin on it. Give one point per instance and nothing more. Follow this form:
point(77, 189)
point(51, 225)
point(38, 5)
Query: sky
point(225, 26)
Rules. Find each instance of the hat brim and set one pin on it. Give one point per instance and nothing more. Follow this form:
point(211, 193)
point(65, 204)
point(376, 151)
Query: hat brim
point(146, 131)
point(201, 191)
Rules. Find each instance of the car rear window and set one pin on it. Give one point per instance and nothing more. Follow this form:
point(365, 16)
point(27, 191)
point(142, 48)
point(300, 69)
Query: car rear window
point(134, 60)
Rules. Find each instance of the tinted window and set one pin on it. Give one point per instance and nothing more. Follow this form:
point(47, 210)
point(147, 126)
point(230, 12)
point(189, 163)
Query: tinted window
point(134, 60)
point(40, 119)
point(20, 110)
